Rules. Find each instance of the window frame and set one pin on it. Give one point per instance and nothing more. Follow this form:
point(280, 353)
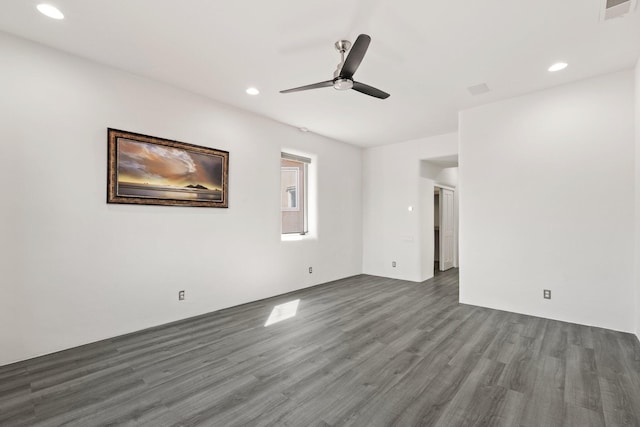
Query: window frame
point(303, 202)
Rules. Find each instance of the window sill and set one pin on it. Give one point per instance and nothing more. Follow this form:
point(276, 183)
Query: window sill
point(296, 237)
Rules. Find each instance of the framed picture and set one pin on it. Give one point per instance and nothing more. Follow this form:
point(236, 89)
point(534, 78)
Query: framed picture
point(147, 170)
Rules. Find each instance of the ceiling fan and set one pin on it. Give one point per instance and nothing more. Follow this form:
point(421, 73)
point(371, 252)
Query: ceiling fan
point(343, 76)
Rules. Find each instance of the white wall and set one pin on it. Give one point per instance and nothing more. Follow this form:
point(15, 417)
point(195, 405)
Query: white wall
point(76, 270)
point(547, 201)
point(392, 182)
point(448, 177)
point(637, 210)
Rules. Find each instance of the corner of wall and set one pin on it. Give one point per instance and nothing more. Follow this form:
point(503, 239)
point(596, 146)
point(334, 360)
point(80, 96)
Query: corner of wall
point(393, 176)
point(637, 199)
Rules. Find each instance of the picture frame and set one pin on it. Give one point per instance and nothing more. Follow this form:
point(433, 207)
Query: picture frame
point(148, 170)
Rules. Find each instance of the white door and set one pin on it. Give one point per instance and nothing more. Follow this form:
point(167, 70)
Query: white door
point(446, 229)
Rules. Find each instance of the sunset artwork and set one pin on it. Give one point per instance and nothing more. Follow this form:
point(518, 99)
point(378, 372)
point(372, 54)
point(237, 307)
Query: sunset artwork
point(148, 170)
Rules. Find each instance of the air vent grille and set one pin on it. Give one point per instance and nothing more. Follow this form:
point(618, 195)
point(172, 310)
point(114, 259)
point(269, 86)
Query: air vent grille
point(478, 89)
point(612, 3)
point(616, 8)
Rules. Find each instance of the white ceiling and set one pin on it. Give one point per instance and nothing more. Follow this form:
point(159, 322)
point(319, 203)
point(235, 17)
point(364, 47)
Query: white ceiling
point(425, 53)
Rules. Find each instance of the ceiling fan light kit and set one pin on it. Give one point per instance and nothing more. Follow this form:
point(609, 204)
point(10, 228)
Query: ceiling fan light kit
point(343, 76)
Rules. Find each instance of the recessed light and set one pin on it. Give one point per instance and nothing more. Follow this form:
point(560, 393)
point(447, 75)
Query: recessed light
point(303, 129)
point(558, 66)
point(252, 91)
point(50, 11)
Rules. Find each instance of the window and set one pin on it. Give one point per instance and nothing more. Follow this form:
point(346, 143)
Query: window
point(293, 193)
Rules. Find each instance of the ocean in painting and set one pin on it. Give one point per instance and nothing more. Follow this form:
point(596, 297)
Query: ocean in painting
point(170, 193)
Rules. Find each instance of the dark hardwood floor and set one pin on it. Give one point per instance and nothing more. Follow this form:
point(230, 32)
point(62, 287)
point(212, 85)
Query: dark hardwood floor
point(363, 351)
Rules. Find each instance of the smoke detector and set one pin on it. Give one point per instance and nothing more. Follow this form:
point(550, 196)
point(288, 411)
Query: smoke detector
point(616, 8)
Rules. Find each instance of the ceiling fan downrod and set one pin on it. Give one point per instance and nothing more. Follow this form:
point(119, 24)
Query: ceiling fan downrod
point(339, 83)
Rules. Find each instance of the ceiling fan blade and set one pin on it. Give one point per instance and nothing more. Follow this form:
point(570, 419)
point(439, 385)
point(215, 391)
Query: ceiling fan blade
point(354, 58)
point(370, 90)
point(307, 87)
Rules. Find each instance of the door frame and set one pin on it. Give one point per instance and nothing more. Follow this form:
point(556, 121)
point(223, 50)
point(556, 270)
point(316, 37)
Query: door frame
point(455, 227)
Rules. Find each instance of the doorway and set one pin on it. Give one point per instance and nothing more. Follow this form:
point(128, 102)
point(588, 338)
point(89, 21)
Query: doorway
point(443, 228)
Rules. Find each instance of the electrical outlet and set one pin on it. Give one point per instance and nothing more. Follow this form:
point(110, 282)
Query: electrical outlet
point(310, 270)
point(546, 293)
point(181, 296)
point(393, 264)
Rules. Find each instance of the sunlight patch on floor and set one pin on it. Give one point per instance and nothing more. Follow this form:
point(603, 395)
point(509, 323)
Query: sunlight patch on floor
point(282, 312)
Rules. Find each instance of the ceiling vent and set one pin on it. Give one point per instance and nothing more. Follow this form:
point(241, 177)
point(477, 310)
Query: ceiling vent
point(478, 89)
point(616, 8)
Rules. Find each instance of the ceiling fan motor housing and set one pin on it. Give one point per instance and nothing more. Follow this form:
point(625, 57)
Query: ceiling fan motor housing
point(342, 84)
